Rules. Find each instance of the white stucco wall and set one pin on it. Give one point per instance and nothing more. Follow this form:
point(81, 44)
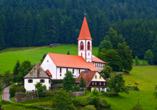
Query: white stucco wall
point(64, 70)
point(101, 89)
point(31, 86)
point(49, 64)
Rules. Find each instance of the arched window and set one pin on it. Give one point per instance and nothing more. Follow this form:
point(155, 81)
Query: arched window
point(81, 46)
point(88, 46)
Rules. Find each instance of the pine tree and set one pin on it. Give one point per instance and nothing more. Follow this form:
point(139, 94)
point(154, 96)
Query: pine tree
point(17, 65)
point(82, 83)
point(68, 81)
point(155, 51)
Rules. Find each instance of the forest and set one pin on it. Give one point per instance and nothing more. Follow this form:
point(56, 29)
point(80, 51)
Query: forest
point(41, 22)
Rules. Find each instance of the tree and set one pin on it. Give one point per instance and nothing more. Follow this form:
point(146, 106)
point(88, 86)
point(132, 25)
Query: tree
point(105, 44)
point(113, 37)
point(12, 90)
point(23, 70)
point(126, 56)
point(82, 83)
point(136, 61)
point(117, 84)
point(17, 65)
point(155, 50)
point(106, 72)
point(7, 78)
point(40, 87)
point(62, 101)
point(95, 92)
point(149, 57)
point(68, 81)
point(112, 58)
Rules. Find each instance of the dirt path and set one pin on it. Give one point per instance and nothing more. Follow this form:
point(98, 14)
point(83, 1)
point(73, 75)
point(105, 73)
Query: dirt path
point(6, 95)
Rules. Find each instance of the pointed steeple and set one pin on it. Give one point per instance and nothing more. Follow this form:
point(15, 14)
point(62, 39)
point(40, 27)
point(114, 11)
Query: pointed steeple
point(84, 33)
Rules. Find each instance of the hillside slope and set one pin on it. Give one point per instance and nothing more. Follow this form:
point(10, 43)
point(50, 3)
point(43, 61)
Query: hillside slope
point(8, 59)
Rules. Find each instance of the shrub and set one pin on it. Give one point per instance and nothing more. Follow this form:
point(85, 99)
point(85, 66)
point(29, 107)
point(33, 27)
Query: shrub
point(94, 101)
point(76, 88)
point(24, 90)
point(12, 90)
point(89, 107)
point(84, 101)
point(104, 104)
point(56, 81)
point(76, 101)
point(95, 92)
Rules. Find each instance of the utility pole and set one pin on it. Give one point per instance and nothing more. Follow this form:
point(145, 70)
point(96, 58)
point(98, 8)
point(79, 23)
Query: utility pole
point(138, 105)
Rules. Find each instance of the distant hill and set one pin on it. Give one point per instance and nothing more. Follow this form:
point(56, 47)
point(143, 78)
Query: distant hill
point(41, 22)
point(8, 59)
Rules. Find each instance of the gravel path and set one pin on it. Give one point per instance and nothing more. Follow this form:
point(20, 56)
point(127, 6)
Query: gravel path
point(6, 95)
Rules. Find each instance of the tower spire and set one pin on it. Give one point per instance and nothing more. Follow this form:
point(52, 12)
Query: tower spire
point(84, 13)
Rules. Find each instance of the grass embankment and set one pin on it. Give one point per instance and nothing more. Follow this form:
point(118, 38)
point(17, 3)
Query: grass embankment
point(146, 76)
point(8, 59)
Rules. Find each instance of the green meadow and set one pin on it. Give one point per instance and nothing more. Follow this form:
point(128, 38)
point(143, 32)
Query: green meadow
point(9, 56)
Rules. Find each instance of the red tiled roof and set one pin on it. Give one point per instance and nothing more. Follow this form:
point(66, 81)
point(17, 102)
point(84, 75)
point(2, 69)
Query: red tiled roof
point(87, 77)
point(95, 59)
point(48, 72)
point(84, 33)
point(71, 61)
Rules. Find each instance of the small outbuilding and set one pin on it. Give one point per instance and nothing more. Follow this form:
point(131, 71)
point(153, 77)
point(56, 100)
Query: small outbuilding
point(93, 79)
point(37, 74)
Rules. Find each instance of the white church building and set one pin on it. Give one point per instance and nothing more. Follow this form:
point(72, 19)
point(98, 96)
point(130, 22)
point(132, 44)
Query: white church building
point(59, 64)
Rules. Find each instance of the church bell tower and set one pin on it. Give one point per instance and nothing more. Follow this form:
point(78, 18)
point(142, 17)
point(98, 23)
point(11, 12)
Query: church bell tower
point(85, 42)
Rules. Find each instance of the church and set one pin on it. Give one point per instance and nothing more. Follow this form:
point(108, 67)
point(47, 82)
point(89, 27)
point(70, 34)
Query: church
point(58, 64)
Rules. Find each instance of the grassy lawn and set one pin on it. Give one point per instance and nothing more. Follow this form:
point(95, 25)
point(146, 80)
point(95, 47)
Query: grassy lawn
point(146, 76)
point(8, 59)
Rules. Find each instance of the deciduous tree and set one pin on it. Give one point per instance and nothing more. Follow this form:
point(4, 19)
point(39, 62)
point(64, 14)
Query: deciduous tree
point(62, 101)
point(106, 72)
point(149, 57)
point(117, 84)
point(126, 56)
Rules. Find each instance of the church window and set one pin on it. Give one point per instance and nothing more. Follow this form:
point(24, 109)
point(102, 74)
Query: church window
point(81, 55)
point(42, 80)
point(60, 74)
point(81, 46)
point(100, 77)
point(30, 81)
point(60, 70)
point(88, 46)
point(73, 70)
point(47, 60)
point(88, 54)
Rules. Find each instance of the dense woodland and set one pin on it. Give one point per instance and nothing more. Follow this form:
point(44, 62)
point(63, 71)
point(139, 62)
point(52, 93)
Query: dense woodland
point(41, 22)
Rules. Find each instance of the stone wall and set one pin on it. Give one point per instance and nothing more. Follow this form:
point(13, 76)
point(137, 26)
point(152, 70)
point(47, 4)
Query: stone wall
point(75, 94)
point(19, 97)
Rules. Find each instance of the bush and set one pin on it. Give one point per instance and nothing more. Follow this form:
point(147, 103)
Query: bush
point(104, 104)
point(24, 90)
point(94, 101)
point(133, 88)
point(84, 101)
point(56, 81)
point(76, 88)
point(12, 90)
point(76, 101)
point(89, 107)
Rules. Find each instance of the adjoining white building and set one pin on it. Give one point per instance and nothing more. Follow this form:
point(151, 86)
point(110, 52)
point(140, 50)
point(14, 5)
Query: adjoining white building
point(59, 64)
point(37, 74)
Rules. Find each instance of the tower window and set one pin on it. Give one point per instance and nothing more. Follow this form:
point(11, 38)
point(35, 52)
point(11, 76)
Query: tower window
point(88, 46)
point(81, 46)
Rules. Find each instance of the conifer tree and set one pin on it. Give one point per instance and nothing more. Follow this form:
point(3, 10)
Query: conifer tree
point(136, 61)
point(149, 57)
point(17, 65)
point(82, 83)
